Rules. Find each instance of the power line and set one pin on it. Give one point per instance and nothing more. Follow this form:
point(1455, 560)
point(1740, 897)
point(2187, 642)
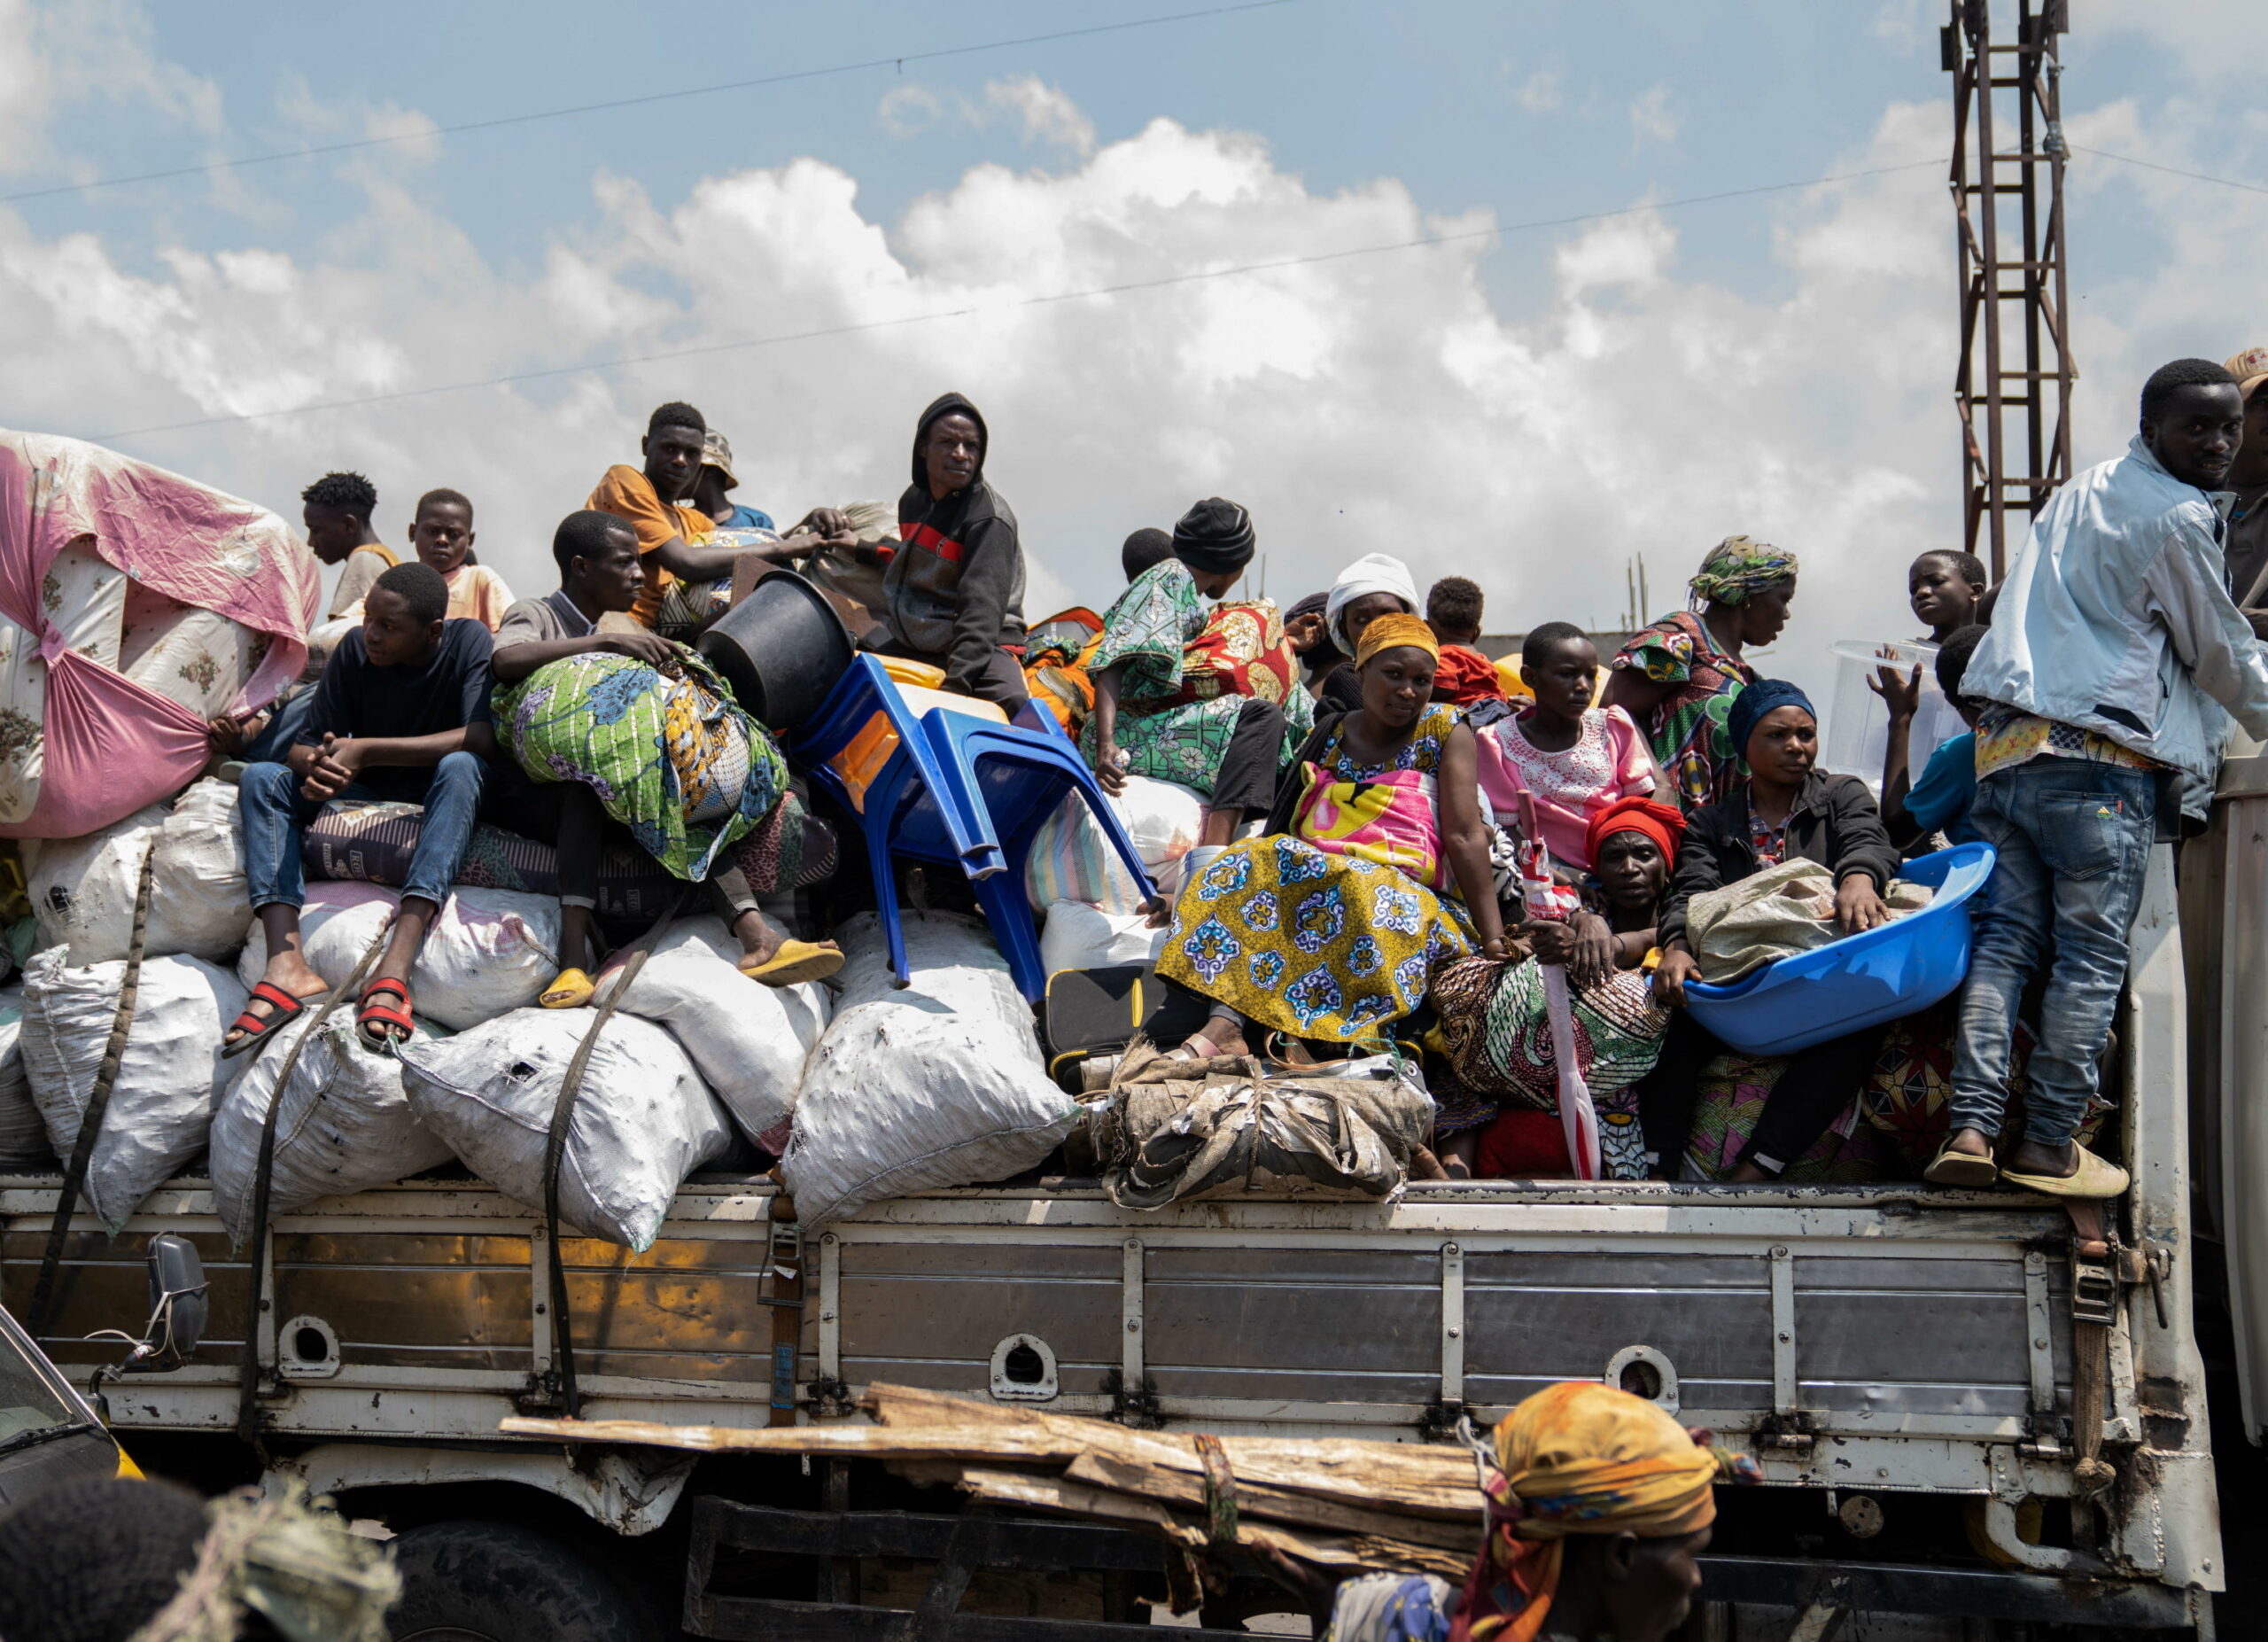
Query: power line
point(899, 61)
point(2149, 165)
point(1125, 288)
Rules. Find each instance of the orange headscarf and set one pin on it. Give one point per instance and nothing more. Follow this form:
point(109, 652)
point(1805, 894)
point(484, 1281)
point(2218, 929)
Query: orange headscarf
point(1391, 632)
point(1577, 1458)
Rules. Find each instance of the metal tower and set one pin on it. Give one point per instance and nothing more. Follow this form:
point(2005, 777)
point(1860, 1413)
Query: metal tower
point(2007, 193)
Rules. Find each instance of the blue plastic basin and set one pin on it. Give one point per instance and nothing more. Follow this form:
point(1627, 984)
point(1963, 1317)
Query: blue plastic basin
point(1861, 980)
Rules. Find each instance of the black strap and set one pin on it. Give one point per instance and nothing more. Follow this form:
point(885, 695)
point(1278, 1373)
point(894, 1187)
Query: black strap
point(554, 1152)
point(90, 1120)
point(263, 1180)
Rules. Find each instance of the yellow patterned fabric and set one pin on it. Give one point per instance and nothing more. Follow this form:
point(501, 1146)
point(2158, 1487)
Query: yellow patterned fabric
point(1577, 1458)
point(2007, 737)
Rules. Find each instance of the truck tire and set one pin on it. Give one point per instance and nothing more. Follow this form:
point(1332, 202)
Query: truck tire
point(494, 1582)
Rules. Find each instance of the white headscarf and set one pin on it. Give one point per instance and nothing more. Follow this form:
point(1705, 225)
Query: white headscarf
point(1373, 572)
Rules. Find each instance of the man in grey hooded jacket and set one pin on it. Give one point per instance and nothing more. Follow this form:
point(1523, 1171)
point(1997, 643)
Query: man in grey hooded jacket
point(2114, 664)
point(953, 590)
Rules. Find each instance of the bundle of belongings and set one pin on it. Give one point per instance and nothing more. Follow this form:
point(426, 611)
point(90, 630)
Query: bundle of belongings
point(1174, 1129)
point(1775, 914)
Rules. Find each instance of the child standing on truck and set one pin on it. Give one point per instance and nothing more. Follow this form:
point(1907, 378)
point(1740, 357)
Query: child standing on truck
point(2114, 661)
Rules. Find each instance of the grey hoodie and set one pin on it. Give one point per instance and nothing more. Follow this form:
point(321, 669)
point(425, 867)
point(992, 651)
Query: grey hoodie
point(954, 590)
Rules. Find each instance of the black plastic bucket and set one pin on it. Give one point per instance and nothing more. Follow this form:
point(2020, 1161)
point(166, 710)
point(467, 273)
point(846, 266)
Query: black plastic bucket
point(782, 648)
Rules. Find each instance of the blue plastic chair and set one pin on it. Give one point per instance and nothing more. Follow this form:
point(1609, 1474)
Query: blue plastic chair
point(1861, 980)
point(958, 790)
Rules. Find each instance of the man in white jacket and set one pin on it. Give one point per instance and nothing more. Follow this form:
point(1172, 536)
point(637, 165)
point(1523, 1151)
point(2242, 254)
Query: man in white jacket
point(2114, 662)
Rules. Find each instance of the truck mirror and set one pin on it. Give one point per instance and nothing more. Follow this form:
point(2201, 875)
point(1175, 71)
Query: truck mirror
point(176, 1303)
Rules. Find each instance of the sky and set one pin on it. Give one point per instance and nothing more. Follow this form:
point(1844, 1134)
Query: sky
point(1596, 363)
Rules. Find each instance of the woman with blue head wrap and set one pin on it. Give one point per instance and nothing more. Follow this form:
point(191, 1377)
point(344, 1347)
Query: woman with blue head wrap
point(1786, 809)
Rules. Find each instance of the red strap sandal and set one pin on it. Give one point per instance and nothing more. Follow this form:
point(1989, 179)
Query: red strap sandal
point(257, 1029)
point(369, 1014)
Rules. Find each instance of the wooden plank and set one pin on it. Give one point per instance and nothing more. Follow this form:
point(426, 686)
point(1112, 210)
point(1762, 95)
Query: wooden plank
point(1181, 1488)
point(1353, 1551)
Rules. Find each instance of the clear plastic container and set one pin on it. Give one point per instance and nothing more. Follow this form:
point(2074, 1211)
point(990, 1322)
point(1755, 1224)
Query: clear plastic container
point(1857, 731)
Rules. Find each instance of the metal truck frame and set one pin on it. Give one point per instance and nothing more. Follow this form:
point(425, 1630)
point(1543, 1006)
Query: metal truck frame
point(1903, 1351)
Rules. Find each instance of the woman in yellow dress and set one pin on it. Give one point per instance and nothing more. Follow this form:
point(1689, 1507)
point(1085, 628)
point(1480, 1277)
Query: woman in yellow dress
point(1374, 866)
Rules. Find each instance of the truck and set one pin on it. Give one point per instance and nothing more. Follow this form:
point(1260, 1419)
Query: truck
point(1970, 1409)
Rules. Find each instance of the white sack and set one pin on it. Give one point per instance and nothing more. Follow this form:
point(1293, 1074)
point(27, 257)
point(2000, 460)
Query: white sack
point(643, 1123)
point(344, 1125)
point(749, 1041)
point(489, 952)
point(23, 1132)
point(82, 889)
point(1080, 937)
point(168, 1082)
point(938, 1084)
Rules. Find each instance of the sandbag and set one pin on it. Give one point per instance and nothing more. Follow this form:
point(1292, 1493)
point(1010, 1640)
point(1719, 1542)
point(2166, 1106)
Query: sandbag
point(489, 951)
point(23, 1132)
point(1071, 859)
point(939, 1084)
point(749, 1041)
point(1170, 1130)
point(344, 1125)
point(644, 1121)
point(1773, 915)
point(1080, 937)
point(169, 1080)
point(82, 889)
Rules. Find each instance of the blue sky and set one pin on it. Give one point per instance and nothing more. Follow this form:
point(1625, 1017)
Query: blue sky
point(1532, 409)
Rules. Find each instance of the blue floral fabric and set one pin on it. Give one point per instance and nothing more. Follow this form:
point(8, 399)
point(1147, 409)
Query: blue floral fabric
point(1317, 945)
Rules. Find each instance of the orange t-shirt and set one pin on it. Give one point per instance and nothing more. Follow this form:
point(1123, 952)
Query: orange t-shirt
point(478, 592)
point(629, 495)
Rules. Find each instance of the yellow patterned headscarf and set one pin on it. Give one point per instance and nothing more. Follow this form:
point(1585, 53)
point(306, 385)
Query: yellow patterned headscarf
point(1577, 1458)
point(1395, 632)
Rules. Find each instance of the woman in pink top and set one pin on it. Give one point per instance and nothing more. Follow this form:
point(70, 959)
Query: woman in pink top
point(1576, 758)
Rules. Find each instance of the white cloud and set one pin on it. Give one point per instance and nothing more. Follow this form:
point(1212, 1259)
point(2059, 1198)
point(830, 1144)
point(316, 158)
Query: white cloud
point(1048, 117)
point(1651, 118)
point(1044, 116)
point(1541, 92)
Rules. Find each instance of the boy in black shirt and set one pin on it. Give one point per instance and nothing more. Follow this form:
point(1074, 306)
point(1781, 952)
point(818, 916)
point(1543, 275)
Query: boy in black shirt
point(402, 714)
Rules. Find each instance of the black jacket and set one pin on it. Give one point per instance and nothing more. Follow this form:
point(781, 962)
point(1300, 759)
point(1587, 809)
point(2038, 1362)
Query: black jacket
point(954, 590)
point(1834, 822)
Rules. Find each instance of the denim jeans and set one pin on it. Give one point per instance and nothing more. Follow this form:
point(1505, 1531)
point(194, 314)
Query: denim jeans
point(268, 798)
point(2074, 839)
point(283, 726)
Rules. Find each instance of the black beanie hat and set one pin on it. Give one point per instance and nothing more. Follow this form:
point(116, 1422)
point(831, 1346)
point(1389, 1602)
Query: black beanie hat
point(1215, 536)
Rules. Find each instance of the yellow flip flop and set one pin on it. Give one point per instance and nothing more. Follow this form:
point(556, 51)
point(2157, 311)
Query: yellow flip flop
point(795, 962)
point(2094, 1178)
point(570, 990)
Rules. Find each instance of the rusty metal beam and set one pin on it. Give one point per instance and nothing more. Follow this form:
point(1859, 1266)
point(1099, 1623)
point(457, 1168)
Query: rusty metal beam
point(2009, 219)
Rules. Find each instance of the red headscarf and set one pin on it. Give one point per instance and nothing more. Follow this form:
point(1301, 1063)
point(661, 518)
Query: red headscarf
point(1663, 823)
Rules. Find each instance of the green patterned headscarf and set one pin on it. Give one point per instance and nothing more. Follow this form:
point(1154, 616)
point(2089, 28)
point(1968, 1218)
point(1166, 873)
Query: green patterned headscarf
point(1738, 566)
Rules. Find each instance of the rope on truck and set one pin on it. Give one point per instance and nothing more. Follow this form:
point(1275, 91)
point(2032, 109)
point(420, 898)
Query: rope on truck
point(555, 1153)
point(263, 1178)
point(90, 1120)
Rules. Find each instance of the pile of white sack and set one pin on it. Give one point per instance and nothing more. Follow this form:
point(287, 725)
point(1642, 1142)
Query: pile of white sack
point(693, 1049)
point(863, 1089)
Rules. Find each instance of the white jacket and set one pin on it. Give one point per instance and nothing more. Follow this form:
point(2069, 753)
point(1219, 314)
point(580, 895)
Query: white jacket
point(2117, 618)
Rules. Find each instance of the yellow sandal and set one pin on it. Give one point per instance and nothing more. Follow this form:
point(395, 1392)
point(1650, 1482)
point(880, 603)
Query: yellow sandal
point(2094, 1178)
point(795, 962)
point(572, 989)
